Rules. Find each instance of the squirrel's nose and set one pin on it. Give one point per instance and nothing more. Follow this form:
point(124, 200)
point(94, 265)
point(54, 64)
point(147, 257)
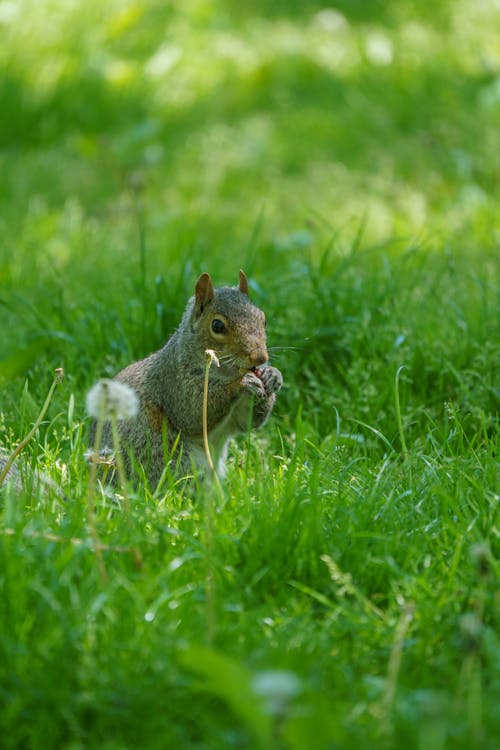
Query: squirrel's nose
point(258, 357)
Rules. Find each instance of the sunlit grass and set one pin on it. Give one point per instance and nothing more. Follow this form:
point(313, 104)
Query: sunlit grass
point(390, 120)
point(343, 593)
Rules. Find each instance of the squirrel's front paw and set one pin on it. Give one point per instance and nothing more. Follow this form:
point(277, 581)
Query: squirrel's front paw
point(271, 379)
point(253, 384)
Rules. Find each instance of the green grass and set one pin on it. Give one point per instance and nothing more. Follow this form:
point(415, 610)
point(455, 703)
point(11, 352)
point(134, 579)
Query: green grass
point(345, 591)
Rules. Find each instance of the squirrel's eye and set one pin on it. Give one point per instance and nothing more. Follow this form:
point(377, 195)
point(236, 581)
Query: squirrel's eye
point(218, 326)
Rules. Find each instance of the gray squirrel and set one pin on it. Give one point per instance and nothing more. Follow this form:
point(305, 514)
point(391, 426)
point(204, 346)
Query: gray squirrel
point(241, 391)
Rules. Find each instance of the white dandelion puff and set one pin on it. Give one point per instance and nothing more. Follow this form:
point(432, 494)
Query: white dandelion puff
point(276, 687)
point(110, 399)
point(105, 456)
point(214, 360)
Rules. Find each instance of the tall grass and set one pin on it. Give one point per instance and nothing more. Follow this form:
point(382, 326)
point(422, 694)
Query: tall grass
point(365, 571)
point(343, 592)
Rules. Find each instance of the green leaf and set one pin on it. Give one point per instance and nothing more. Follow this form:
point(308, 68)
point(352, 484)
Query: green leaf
point(231, 682)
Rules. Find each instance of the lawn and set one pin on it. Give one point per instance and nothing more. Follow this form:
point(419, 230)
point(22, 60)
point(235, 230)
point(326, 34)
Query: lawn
point(342, 589)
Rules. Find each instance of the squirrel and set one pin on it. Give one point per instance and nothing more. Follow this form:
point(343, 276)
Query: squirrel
point(241, 390)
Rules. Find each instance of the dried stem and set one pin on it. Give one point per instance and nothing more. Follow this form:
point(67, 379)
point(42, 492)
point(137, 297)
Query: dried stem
point(58, 378)
point(211, 357)
point(209, 510)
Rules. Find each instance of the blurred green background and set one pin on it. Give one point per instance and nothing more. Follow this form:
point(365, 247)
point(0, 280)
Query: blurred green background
point(375, 114)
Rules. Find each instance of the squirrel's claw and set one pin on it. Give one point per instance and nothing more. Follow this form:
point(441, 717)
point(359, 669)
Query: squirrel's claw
point(271, 378)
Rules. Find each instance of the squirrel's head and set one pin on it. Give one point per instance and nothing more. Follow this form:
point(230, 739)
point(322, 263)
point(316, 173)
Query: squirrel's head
point(226, 321)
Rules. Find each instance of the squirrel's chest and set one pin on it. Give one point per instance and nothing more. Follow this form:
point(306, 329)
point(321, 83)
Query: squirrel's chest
point(218, 439)
point(199, 458)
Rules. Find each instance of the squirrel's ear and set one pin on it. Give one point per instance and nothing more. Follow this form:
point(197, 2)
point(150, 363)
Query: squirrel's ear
point(203, 293)
point(243, 283)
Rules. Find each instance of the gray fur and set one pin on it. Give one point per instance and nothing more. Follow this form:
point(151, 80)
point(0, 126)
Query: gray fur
point(170, 382)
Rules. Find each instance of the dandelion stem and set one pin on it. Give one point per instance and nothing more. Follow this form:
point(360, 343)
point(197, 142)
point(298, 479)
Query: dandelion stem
point(108, 401)
point(90, 499)
point(122, 478)
point(205, 420)
point(209, 510)
point(58, 378)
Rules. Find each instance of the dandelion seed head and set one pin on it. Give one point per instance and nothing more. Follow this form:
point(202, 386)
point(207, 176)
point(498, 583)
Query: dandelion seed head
point(472, 631)
point(110, 399)
point(214, 360)
point(481, 555)
point(106, 456)
point(276, 688)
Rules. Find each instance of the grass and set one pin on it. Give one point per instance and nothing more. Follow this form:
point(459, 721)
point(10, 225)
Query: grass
point(344, 593)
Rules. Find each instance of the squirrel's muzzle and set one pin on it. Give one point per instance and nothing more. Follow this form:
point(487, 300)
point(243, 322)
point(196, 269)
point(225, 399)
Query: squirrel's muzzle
point(257, 357)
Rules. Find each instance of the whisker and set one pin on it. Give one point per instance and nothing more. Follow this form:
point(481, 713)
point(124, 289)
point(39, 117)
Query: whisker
point(291, 348)
point(227, 359)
